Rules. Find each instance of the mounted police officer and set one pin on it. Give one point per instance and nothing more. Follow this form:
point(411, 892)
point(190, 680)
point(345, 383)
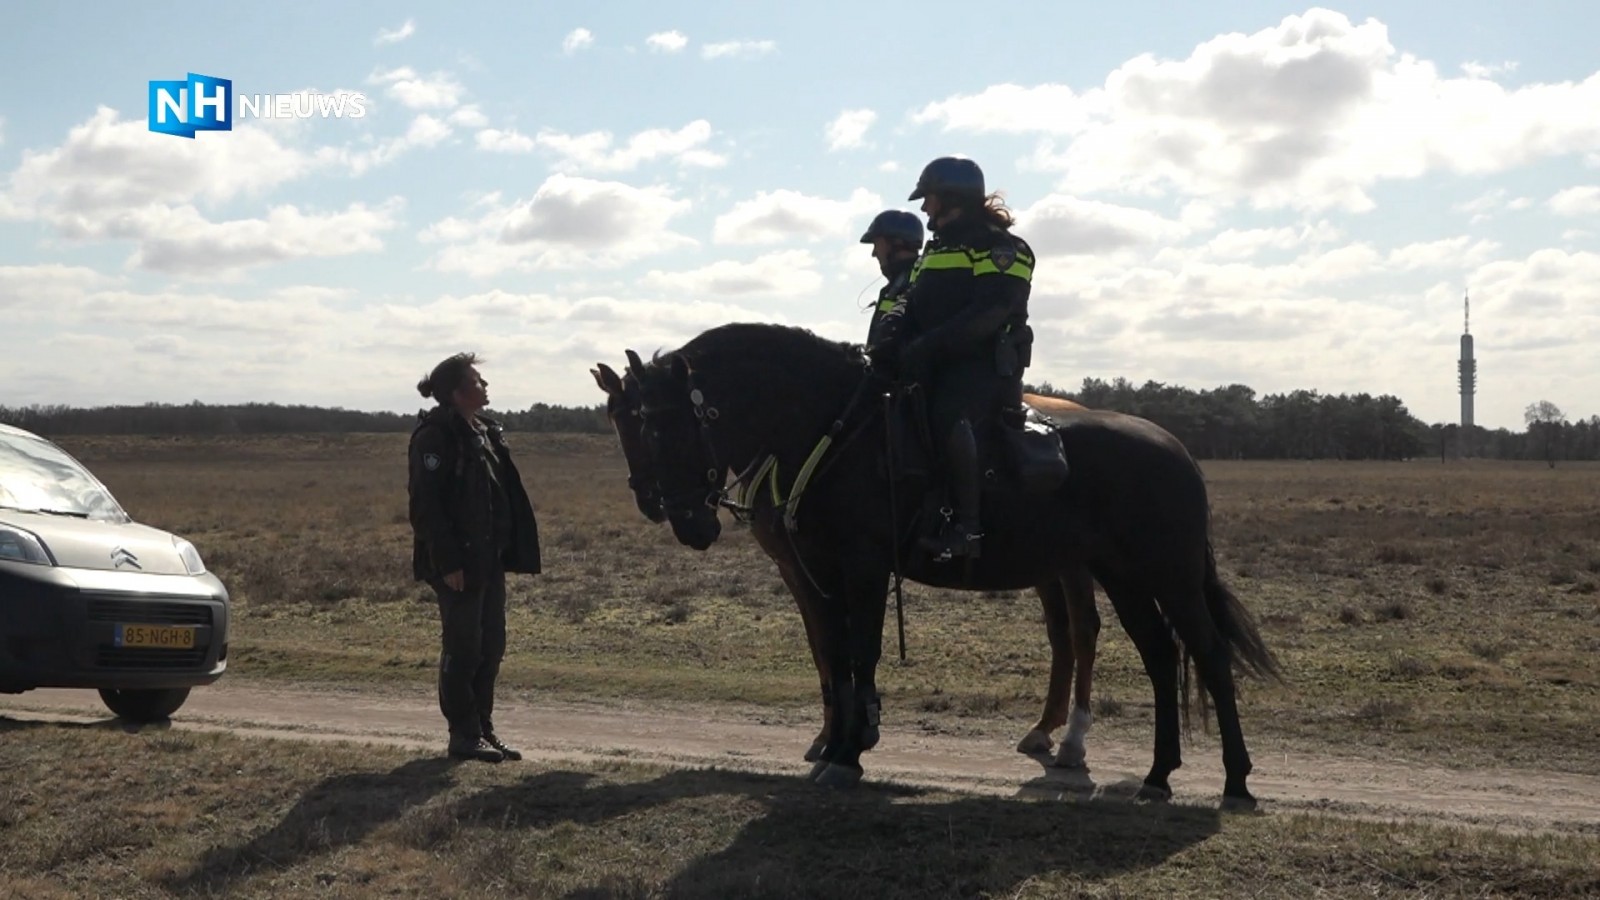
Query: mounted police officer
point(896, 239)
point(967, 340)
point(473, 523)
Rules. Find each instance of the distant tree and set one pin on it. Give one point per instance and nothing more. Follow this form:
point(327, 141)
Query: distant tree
point(1545, 421)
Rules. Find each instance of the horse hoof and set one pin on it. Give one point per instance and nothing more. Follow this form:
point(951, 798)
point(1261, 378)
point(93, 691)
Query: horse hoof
point(817, 770)
point(1153, 794)
point(1231, 803)
point(837, 776)
point(815, 753)
point(1035, 741)
point(1071, 756)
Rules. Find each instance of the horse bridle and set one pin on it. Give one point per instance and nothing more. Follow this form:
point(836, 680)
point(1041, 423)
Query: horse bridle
point(644, 488)
point(689, 497)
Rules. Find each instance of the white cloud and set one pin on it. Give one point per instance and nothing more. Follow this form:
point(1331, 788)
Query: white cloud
point(468, 116)
point(569, 223)
point(179, 316)
point(787, 273)
point(594, 151)
point(1551, 293)
point(1450, 253)
point(294, 345)
point(1583, 200)
point(1010, 109)
point(1068, 225)
point(437, 91)
point(888, 166)
point(776, 216)
point(108, 164)
point(577, 39)
point(424, 131)
point(180, 241)
point(667, 41)
point(31, 289)
point(511, 141)
point(1308, 114)
point(1476, 69)
point(395, 36)
point(111, 180)
point(1234, 243)
point(849, 128)
point(1487, 205)
point(738, 50)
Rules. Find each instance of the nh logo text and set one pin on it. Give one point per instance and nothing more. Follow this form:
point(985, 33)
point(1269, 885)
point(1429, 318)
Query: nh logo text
point(202, 103)
point(207, 103)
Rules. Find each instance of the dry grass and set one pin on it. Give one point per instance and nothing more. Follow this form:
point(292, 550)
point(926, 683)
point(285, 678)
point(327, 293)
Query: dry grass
point(156, 814)
point(1419, 609)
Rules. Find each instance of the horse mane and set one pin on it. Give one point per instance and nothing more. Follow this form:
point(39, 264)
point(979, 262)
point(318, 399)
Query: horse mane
point(784, 346)
point(777, 377)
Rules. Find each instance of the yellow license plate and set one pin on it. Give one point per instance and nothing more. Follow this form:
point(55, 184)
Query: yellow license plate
point(166, 637)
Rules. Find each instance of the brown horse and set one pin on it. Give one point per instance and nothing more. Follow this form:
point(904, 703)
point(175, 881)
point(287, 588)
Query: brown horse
point(1072, 622)
point(1133, 512)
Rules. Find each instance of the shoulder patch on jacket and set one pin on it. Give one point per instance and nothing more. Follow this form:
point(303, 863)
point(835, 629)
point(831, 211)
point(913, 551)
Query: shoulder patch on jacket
point(1003, 255)
point(430, 461)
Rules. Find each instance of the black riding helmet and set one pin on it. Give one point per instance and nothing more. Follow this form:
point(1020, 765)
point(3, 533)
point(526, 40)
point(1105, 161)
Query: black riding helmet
point(895, 224)
point(954, 177)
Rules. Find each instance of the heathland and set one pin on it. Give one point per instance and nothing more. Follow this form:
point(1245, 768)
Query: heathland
point(1423, 611)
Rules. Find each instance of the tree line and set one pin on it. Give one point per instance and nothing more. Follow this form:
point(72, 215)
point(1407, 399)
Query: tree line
point(273, 418)
point(1228, 422)
point(1232, 422)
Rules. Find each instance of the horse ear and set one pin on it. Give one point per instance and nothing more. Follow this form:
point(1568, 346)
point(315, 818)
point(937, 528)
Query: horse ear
point(635, 365)
point(607, 378)
point(680, 368)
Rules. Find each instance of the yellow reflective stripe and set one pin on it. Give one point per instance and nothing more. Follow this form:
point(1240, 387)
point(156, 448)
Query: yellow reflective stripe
point(946, 259)
point(887, 304)
point(1021, 265)
point(980, 262)
point(1019, 268)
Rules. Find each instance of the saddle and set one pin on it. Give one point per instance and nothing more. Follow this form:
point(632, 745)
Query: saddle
point(1018, 453)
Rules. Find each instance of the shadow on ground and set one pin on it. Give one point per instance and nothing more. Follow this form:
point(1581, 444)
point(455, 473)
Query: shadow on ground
point(795, 840)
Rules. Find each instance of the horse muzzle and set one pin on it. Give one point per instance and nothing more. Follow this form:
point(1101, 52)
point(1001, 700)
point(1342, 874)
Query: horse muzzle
point(696, 528)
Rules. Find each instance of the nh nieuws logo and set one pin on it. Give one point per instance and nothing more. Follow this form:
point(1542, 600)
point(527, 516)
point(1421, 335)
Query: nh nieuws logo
point(207, 103)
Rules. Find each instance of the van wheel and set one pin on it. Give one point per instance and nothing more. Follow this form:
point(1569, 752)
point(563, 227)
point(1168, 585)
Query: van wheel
point(143, 706)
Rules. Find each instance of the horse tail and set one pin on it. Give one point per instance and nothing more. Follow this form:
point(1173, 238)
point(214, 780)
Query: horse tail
point(1186, 694)
point(1236, 626)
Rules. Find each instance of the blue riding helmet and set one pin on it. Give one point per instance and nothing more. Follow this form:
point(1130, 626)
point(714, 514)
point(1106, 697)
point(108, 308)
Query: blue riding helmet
point(895, 224)
point(955, 177)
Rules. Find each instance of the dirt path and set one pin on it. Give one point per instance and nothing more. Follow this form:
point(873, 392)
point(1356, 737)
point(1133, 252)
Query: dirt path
point(758, 740)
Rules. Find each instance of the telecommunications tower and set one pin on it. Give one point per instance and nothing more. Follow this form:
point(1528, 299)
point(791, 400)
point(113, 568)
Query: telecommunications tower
point(1467, 370)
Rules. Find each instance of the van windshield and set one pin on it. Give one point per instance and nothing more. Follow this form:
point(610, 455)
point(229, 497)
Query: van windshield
point(37, 476)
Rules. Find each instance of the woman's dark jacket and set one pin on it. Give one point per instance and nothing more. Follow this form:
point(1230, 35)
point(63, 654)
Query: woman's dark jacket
point(454, 485)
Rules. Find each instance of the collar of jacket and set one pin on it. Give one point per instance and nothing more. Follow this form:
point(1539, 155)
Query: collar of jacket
point(957, 230)
point(449, 418)
point(900, 268)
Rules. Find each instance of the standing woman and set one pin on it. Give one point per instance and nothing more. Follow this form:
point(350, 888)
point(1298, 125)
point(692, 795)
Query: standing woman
point(473, 523)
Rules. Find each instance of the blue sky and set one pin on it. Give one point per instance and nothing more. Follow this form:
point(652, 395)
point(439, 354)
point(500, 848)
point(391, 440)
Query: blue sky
point(1274, 194)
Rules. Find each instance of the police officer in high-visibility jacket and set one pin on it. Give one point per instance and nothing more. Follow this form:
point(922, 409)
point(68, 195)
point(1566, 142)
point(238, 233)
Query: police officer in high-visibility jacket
point(967, 339)
point(896, 239)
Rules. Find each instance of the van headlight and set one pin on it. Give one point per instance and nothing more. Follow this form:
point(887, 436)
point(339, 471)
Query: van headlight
point(17, 545)
point(190, 556)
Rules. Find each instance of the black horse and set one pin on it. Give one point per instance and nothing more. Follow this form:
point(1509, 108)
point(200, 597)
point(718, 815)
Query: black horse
point(1072, 622)
point(1133, 512)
